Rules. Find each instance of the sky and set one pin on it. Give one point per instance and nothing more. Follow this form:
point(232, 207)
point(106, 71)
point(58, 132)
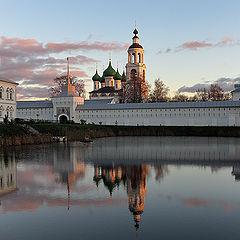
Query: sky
point(188, 44)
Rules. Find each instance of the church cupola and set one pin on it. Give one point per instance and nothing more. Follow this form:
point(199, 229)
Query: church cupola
point(117, 78)
point(135, 43)
point(108, 74)
point(96, 80)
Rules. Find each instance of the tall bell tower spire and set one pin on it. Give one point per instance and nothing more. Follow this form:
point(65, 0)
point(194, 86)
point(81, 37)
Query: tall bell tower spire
point(135, 68)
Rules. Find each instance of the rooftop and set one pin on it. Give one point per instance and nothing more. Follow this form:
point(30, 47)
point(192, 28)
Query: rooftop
point(8, 81)
point(34, 104)
point(162, 105)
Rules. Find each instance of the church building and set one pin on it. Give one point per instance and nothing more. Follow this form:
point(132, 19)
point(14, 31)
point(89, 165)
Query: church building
point(112, 84)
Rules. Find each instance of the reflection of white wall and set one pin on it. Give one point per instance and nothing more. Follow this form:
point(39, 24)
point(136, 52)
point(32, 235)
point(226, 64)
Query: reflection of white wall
point(134, 149)
point(66, 160)
point(8, 174)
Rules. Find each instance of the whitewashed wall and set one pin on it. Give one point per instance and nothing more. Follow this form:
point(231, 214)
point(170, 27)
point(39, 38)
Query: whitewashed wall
point(35, 113)
point(165, 117)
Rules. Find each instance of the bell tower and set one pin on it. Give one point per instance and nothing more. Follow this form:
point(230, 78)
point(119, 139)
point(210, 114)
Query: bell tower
point(135, 66)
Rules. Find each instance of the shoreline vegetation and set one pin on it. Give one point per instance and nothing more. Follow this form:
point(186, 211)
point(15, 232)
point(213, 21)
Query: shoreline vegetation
point(16, 134)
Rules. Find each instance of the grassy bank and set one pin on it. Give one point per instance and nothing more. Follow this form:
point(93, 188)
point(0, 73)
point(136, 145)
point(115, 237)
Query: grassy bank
point(78, 132)
point(14, 135)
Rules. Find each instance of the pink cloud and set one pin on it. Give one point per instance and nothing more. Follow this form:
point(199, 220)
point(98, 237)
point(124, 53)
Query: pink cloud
point(34, 62)
point(195, 45)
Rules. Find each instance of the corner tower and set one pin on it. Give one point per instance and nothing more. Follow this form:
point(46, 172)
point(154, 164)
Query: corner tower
point(135, 67)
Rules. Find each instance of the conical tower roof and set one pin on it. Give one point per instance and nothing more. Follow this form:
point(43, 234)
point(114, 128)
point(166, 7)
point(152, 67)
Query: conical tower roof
point(124, 78)
point(96, 77)
point(117, 76)
point(109, 71)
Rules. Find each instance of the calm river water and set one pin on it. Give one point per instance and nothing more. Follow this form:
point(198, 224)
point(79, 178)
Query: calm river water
point(122, 188)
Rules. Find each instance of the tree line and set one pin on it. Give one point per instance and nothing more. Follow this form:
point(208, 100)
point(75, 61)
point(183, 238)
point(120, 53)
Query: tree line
point(136, 91)
point(160, 93)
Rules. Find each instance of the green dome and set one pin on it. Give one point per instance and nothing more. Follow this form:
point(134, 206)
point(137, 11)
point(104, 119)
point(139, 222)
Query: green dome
point(102, 79)
point(124, 78)
point(96, 77)
point(117, 76)
point(109, 71)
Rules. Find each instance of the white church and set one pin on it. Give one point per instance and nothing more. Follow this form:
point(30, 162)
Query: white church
point(104, 107)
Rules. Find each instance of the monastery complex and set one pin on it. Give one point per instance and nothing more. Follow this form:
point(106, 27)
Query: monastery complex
point(106, 107)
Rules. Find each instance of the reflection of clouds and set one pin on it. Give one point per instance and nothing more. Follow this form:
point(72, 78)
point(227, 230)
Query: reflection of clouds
point(19, 203)
point(196, 202)
point(38, 187)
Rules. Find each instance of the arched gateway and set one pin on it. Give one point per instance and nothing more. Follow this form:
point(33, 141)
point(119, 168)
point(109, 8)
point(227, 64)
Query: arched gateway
point(63, 118)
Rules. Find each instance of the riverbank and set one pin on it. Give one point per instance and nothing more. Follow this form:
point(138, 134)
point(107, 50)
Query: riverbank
point(13, 134)
point(76, 132)
point(16, 135)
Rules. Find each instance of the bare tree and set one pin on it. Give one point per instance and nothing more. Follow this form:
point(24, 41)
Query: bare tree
point(202, 94)
point(62, 80)
point(179, 97)
point(216, 92)
point(160, 92)
point(135, 91)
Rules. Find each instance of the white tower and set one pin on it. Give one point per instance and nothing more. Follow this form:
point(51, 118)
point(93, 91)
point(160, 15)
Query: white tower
point(135, 66)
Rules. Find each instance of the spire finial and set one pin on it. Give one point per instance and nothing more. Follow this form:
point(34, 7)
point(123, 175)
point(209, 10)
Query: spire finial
point(68, 77)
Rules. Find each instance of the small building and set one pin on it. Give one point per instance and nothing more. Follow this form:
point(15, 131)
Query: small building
point(7, 99)
point(236, 92)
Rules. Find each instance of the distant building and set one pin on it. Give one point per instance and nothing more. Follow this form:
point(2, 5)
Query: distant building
point(236, 92)
point(7, 99)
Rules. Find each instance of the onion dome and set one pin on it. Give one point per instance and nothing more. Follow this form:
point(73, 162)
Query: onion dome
point(117, 76)
point(135, 31)
point(135, 40)
point(109, 71)
point(96, 77)
point(124, 78)
point(102, 79)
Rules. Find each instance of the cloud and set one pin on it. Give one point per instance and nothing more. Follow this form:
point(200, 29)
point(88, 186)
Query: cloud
point(196, 45)
point(227, 84)
point(31, 62)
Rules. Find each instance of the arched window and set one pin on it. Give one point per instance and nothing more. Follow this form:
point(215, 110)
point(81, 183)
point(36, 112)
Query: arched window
point(11, 94)
point(8, 91)
point(1, 92)
point(1, 110)
point(139, 58)
point(133, 58)
point(143, 75)
point(133, 74)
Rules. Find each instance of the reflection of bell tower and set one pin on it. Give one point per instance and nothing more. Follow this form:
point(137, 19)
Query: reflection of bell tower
point(136, 189)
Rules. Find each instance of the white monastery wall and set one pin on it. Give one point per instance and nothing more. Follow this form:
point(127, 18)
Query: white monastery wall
point(35, 113)
point(162, 117)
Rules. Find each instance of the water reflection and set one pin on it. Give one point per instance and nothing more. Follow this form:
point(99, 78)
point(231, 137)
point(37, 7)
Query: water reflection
point(139, 176)
point(8, 173)
point(133, 177)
